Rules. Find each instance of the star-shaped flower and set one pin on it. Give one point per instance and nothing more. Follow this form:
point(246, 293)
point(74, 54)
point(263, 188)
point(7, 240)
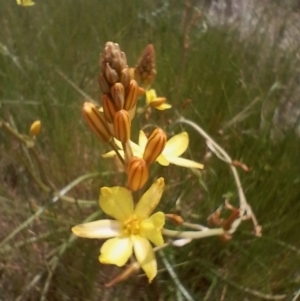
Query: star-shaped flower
point(174, 148)
point(133, 229)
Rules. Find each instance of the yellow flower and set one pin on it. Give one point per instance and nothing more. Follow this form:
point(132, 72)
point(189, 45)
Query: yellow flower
point(132, 230)
point(174, 148)
point(25, 2)
point(156, 102)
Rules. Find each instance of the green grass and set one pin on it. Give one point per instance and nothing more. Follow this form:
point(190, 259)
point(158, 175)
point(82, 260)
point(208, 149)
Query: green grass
point(221, 74)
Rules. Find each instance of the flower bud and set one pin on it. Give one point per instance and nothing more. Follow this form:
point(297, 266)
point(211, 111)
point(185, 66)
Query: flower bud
point(140, 92)
point(122, 126)
point(137, 173)
point(103, 84)
point(96, 121)
point(123, 58)
point(132, 73)
point(155, 145)
point(108, 108)
point(176, 219)
point(158, 102)
point(117, 92)
point(35, 128)
point(129, 271)
point(116, 62)
point(111, 74)
point(132, 112)
point(125, 77)
point(131, 98)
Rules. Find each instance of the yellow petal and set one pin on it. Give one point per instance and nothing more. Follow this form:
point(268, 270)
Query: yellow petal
point(118, 143)
point(116, 251)
point(99, 229)
point(137, 150)
point(185, 162)
point(142, 140)
point(132, 112)
point(176, 146)
point(145, 256)
point(150, 95)
point(162, 160)
point(25, 2)
point(163, 106)
point(116, 202)
point(150, 199)
point(151, 228)
point(111, 154)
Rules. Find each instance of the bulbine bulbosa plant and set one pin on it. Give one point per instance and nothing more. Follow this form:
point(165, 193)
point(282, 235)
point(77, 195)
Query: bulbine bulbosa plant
point(135, 231)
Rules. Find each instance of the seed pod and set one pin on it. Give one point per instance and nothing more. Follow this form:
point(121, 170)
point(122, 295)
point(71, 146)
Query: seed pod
point(155, 145)
point(137, 173)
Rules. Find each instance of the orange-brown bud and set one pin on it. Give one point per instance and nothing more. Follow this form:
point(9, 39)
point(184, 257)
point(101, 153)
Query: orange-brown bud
point(132, 73)
point(225, 237)
point(125, 77)
point(108, 108)
point(122, 126)
point(176, 219)
point(137, 173)
point(35, 128)
point(155, 145)
point(140, 92)
point(116, 61)
point(117, 92)
point(103, 84)
point(215, 219)
point(129, 271)
point(96, 121)
point(157, 102)
point(131, 98)
point(111, 74)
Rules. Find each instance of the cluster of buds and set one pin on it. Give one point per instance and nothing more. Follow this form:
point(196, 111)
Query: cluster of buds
point(119, 97)
point(119, 92)
point(145, 72)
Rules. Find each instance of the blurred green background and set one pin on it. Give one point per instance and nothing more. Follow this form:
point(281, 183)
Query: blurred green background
point(238, 80)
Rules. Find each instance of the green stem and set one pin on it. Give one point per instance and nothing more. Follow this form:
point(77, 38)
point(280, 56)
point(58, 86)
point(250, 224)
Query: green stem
point(43, 173)
point(245, 208)
point(193, 234)
point(114, 147)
